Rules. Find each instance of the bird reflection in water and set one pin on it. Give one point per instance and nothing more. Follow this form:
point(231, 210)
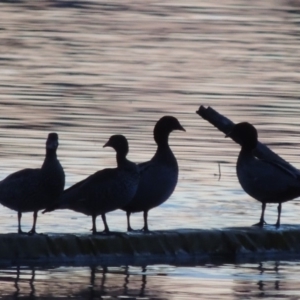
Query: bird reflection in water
point(93, 293)
point(17, 294)
point(262, 287)
point(93, 282)
point(143, 285)
point(103, 290)
point(261, 284)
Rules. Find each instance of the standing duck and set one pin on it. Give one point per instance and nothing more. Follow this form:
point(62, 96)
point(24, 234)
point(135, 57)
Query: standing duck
point(31, 190)
point(267, 181)
point(158, 175)
point(105, 190)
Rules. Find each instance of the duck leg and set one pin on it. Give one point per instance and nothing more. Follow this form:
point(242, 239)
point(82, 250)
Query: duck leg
point(106, 229)
point(94, 228)
point(278, 218)
point(129, 228)
point(32, 231)
point(19, 223)
point(262, 217)
point(145, 228)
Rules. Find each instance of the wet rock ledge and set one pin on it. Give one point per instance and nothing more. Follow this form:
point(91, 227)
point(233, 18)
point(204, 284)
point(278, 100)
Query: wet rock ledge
point(227, 242)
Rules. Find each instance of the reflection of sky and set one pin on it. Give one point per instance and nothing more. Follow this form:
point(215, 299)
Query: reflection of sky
point(120, 70)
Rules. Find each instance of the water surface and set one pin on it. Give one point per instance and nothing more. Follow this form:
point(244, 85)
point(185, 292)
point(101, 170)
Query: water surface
point(88, 70)
point(268, 279)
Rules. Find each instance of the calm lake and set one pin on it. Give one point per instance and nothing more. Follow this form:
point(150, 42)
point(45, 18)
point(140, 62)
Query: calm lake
point(90, 69)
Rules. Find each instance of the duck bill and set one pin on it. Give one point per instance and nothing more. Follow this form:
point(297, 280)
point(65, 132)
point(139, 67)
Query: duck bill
point(52, 145)
point(228, 134)
point(107, 144)
point(181, 128)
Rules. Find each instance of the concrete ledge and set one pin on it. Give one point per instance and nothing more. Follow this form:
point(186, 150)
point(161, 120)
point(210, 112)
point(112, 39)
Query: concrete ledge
point(222, 243)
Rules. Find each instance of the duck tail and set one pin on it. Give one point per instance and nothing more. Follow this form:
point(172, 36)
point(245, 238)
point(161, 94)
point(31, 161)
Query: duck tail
point(52, 207)
point(61, 203)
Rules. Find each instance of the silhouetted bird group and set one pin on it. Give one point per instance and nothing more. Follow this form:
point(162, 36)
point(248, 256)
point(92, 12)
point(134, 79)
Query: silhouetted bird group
point(138, 187)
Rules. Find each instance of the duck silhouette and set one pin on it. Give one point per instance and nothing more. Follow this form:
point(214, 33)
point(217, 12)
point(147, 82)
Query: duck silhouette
point(30, 190)
point(267, 181)
point(158, 176)
point(105, 190)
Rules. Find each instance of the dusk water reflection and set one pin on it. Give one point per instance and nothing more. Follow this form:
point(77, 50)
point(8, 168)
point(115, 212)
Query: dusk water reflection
point(267, 279)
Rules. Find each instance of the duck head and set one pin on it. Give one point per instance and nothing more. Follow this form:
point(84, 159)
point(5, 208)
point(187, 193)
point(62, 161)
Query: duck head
point(120, 144)
point(164, 127)
point(52, 141)
point(244, 134)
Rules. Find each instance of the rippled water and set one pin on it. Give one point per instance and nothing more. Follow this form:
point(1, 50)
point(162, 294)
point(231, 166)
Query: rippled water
point(270, 279)
point(91, 69)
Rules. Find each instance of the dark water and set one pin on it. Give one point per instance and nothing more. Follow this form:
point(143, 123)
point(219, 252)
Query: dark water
point(91, 69)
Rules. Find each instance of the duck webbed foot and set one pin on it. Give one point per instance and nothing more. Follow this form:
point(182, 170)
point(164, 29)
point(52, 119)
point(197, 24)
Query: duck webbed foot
point(260, 224)
point(145, 230)
point(130, 229)
point(32, 232)
point(277, 225)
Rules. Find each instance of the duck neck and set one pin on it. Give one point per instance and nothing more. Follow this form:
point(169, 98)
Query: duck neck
point(163, 152)
point(246, 152)
point(162, 140)
point(51, 154)
point(121, 159)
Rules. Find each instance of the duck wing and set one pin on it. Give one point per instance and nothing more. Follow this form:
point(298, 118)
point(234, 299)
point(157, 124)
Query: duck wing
point(268, 181)
point(283, 167)
point(21, 191)
point(93, 193)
